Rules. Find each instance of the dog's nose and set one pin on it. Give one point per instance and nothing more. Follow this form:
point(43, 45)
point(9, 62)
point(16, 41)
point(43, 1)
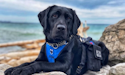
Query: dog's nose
point(61, 27)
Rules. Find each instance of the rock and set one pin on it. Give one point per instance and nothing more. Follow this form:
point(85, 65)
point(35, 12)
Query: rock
point(118, 69)
point(103, 71)
point(51, 73)
point(114, 39)
point(3, 67)
point(1, 72)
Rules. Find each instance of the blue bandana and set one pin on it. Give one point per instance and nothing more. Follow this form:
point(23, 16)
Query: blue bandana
point(52, 53)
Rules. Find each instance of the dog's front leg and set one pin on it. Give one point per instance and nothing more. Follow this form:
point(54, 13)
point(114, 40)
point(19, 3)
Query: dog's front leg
point(10, 70)
point(62, 64)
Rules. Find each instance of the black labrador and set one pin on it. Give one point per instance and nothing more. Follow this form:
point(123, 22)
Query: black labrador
point(59, 24)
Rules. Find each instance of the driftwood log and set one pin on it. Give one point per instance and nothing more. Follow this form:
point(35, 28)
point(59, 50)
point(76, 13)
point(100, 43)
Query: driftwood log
point(32, 44)
point(82, 30)
point(17, 58)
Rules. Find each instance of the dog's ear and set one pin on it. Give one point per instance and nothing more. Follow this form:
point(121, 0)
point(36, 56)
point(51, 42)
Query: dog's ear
point(43, 15)
point(76, 23)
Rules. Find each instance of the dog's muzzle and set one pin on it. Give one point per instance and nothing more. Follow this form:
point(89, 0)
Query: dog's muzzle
point(61, 27)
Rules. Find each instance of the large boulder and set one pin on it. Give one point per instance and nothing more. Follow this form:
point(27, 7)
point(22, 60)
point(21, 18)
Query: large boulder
point(3, 67)
point(1, 72)
point(103, 71)
point(51, 73)
point(118, 69)
point(114, 39)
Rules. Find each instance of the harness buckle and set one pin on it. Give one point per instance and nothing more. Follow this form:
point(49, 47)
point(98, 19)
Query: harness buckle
point(55, 46)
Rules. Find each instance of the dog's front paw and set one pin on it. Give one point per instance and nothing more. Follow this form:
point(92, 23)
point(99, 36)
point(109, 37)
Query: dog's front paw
point(22, 71)
point(8, 71)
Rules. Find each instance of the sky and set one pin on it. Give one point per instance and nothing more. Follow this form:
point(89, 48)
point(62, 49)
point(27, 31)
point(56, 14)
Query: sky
point(93, 11)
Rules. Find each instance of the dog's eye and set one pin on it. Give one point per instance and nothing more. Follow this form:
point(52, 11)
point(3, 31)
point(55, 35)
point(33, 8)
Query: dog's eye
point(69, 18)
point(55, 16)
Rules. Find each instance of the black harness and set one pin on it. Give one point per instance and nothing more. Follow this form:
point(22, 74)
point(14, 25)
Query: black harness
point(94, 57)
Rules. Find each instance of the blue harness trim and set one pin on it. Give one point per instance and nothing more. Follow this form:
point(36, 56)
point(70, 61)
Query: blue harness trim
point(52, 53)
point(91, 42)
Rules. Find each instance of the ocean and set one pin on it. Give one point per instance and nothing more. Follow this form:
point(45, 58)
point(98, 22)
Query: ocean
point(12, 32)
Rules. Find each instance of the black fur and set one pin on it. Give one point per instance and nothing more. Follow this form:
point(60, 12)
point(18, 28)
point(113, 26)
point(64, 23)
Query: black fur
point(69, 58)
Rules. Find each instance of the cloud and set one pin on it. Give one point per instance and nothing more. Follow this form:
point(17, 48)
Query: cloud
point(89, 4)
point(90, 10)
point(112, 2)
point(17, 12)
point(27, 5)
point(116, 2)
point(12, 18)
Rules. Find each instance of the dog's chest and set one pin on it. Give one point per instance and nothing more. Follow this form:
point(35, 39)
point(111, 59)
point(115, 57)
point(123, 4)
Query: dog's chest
point(52, 53)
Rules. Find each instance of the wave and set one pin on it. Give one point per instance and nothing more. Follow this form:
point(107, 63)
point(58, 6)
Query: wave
point(20, 31)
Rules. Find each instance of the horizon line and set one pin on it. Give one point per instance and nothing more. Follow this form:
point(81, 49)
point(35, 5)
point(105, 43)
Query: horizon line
point(39, 23)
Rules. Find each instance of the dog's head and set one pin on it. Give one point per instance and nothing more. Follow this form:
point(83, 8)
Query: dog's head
point(59, 23)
